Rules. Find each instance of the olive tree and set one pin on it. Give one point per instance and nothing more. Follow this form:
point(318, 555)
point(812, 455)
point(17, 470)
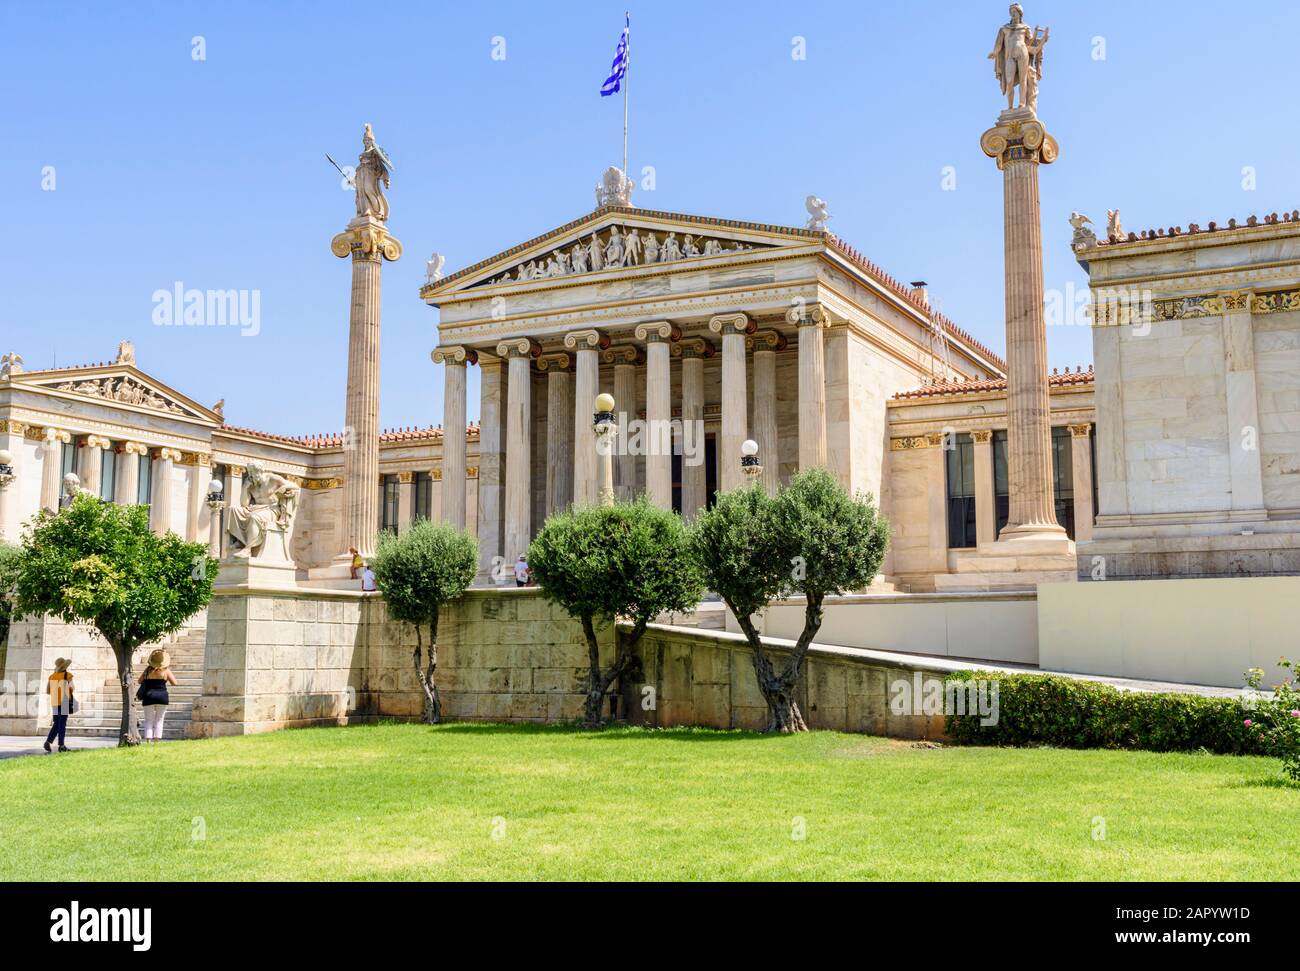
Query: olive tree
point(419, 571)
point(812, 538)
point(98, 563)
point(600, 563)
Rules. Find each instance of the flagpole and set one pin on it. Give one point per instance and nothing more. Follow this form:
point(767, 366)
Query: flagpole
point(627, 68)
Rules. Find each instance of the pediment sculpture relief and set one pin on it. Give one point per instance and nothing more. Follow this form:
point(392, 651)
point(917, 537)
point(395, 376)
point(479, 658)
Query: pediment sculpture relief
point(618, 248)
point(124, 390)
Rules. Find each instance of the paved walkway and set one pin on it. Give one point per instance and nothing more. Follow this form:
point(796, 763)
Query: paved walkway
point(12, 746)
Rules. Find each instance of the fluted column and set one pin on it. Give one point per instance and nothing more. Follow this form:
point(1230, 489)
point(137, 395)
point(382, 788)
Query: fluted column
point(52, 467)
point(519, 354)
point(126, 491)
point(764, 344)
point(1019, 143)
point(200, 476)
point(368, 242)
point(625, 359)
point(90, 463)
point(812, 322)
point(160, 509)
point(11, 441)
point(1081, 463)
point(735, 420)
point(658, 440)
point(986, 513)
point(559, 430)
point(585, 344)
point(491, 468)
point(454, 426)
point(693, 351)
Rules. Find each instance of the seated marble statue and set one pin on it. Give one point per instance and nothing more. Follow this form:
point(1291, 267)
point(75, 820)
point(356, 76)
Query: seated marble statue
point(268, 504)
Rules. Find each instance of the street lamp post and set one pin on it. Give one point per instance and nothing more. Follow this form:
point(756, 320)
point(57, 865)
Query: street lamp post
point(749, 465)
point(216, 502)
point(605, 427)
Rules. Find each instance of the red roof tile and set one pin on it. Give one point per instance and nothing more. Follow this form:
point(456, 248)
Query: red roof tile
point(942, 388)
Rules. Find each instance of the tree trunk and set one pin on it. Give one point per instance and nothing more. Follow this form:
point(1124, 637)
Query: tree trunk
point(126, 732)
point(432, 700)
point(599, 682)
point(778, 688)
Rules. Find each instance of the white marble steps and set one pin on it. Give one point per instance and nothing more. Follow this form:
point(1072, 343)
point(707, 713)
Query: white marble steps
point(999, 580)
point(187, 667)
point(708, 615)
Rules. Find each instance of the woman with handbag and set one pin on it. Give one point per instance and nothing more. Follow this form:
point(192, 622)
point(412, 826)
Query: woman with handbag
point(152, 693)
point(62, 704)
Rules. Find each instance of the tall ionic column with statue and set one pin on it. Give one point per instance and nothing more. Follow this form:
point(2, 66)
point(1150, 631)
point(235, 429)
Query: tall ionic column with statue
point(367, 241)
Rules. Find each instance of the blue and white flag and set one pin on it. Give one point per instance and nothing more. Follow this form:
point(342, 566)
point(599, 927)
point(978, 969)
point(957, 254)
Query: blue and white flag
point(619, 67)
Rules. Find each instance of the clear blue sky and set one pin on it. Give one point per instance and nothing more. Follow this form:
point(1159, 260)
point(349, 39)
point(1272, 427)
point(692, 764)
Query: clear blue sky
point(213, 173)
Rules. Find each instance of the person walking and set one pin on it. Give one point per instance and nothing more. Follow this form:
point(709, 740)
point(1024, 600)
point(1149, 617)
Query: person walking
point(522, 571)
point(152, 693)
point(62, 704)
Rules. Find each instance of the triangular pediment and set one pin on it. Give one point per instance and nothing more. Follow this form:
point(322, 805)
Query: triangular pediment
point(618, 239)
point(118, 384)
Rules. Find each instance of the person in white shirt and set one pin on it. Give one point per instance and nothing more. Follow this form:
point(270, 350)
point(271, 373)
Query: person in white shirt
point(521, 571)
point(368, 579)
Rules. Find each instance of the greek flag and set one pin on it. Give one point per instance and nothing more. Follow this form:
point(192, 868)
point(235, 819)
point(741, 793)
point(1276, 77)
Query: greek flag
point(619, 67)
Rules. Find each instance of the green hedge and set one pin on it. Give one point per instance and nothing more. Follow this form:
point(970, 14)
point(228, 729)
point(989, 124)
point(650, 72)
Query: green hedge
point(1041, 709)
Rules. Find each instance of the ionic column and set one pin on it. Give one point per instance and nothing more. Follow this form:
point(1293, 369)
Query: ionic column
point(160, 509)
point(625, 358)
point(586, 385)
point(11, 441)
point(658, 411)
point(126, 491)
point(90, 464)
point(735, 423)
point(986, 513)
point(454, 427)
point(559, 430)
point(491, 467)
point(764, 344)
point(51, 467)
point(1081, 463)
point(936, 500)
point(693, 351)
point(1245, 468)
point(519, 354)
point(368, 242)
point(405, 500)
point(199, 478)
point(811, 321)
point(1019, 145)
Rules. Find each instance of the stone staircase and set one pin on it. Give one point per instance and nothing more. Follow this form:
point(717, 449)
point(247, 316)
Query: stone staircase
point(187, 667)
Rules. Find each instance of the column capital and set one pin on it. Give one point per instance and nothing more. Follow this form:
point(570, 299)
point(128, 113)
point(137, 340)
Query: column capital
point(436, 474)
point(624, 354)
point(405, 478)
point(12, 427)
point(1083, 430)
point(766, 340)
point(135, 448)
point(981, 436)
point(454, 354)
point(691, 347)
point(729, 323)
point(586, 340)
point(519, 347)
point(196, 458)
point(96, 441)
point(367, 241)
point(934, 439)
point(1019, 140)
point(236, 470)
point(808, 315)
point(57, 435)
point(555, 361)
point(658, 330)
point(167, 454)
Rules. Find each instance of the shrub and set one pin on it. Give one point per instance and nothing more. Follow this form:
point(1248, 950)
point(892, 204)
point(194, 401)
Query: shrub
point(9, 559)
point(418, 571)
point(1043, 709)
point(628, 559)
point(1275, 722)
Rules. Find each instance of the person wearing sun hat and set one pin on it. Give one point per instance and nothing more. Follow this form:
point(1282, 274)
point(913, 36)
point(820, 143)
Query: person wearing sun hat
point(152, 692)
point(59, 686)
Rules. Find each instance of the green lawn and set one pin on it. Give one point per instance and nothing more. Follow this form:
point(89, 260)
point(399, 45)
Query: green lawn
point(412, 802)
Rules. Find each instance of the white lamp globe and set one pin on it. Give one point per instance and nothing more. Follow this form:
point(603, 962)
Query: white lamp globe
point(6, 457)
point(749, 448)
point(215, 487)
point(604, 403)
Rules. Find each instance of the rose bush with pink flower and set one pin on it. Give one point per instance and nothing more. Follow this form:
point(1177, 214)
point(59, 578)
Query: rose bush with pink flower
point(1275, 722)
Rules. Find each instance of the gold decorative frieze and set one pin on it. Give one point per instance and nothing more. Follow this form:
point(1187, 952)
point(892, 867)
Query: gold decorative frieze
point(315, 485)
point(911, 442)
point(1276, 302)
point(13, 427)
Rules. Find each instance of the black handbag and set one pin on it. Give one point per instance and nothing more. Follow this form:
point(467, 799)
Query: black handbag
point(72, 702)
